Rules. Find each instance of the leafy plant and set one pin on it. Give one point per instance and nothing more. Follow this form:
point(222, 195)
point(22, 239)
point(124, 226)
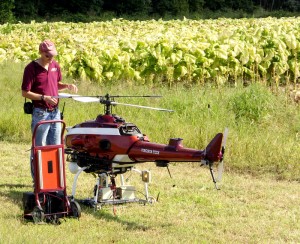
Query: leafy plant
point(6, 14)
point(253, 103)
point(188, 51)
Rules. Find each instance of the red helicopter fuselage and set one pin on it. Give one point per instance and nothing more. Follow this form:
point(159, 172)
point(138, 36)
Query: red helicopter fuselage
point(109, 139)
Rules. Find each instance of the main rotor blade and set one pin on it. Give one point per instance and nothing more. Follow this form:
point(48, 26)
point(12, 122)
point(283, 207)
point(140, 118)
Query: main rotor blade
point(79, 98)
point(66, 95)
point(136, 96)
point(87, 99)
point(139, 106)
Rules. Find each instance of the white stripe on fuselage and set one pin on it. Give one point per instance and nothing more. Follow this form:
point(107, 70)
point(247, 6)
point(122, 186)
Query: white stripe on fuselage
point(122, 158)
point(93, 131)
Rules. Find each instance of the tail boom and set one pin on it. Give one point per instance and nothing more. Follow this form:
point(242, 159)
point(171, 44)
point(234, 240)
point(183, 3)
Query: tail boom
point(175, 152)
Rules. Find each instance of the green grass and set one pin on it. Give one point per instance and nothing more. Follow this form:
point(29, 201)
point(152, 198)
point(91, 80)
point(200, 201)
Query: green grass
point(264, 125)
point(253, 205)
point(247, 209)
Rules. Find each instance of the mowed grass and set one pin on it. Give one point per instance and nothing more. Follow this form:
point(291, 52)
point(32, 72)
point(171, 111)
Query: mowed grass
point(247, 209)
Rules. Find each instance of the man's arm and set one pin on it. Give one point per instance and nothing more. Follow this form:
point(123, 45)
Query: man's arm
point(31, 95)
point(70, 87)
point(34, 96)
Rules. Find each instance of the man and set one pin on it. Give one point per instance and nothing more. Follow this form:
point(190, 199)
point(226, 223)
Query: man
point(41, 83)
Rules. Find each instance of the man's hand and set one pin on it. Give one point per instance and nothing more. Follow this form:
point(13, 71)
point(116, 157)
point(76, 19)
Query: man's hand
point(50, 100)
point(72, 88)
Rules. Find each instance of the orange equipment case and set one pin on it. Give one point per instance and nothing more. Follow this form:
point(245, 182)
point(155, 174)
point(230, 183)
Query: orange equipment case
point(49, 200)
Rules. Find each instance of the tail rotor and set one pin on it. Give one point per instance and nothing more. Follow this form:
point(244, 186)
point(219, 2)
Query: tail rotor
point(220, 167)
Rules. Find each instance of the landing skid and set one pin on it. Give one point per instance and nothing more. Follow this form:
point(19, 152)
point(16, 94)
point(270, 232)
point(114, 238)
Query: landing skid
point(97, 206)
point(106, 193)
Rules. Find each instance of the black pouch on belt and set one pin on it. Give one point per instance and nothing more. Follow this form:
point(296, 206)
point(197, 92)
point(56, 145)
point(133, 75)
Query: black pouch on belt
point(28, 107)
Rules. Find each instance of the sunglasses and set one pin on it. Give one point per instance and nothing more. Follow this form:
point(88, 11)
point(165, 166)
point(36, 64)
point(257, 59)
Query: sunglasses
point(48, 56)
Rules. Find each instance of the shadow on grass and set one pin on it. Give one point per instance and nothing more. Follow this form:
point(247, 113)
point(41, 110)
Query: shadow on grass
point(14, 192)
point(108, 215)
point(130, 225)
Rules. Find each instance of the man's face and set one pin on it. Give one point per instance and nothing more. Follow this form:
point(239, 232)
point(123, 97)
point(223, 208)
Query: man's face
point(46, 57)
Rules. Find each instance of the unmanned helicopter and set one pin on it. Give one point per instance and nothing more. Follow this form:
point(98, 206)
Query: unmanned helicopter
point(109, 146)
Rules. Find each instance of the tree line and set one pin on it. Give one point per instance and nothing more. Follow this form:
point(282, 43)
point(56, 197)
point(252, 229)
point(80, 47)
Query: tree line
point(12, 10)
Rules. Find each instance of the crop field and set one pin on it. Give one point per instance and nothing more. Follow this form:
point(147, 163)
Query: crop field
point(188, 51)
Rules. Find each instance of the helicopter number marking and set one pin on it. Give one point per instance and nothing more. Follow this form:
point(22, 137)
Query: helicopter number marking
point(144, 150)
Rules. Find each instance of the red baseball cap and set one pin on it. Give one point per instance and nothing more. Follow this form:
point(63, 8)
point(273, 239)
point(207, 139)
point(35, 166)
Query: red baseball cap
point(48, 47)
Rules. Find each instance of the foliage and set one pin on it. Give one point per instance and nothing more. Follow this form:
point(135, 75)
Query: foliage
point(253, 103)
point(174, 8)
point(196, 6)
point(6, 11)
point(49, 8)
point(130, 7)
point(169, 52)
point(279, 4)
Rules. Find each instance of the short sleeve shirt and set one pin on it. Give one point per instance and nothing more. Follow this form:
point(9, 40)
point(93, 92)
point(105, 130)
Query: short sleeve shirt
point(39, 80)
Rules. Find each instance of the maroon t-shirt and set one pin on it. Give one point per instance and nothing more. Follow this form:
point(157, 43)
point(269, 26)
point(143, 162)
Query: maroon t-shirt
point(39, 80)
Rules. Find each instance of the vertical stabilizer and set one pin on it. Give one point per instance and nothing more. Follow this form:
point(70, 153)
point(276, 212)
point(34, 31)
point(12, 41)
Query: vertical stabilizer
point(213, 149)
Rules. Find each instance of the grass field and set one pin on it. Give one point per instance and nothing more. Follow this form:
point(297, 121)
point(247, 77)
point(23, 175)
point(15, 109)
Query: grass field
point(259, 197)
point(264, 124)
point(247, 209)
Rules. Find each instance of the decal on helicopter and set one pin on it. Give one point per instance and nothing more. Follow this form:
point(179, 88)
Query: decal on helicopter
point(144, 150)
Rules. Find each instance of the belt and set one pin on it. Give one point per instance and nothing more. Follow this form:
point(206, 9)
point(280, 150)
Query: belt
point(48, 109)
